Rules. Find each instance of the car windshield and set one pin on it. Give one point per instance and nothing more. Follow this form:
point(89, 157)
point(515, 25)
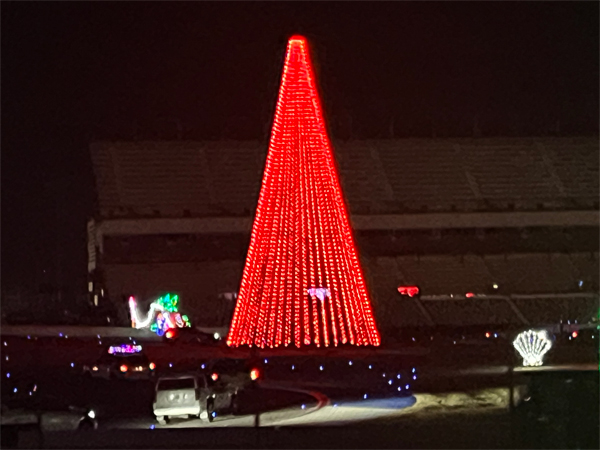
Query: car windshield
point(180, 383)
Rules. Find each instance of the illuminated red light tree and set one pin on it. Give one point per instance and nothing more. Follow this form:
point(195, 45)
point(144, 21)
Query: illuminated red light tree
point(302, 283)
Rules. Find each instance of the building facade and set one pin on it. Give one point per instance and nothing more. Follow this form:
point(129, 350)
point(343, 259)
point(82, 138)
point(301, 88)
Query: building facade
point(491, 230)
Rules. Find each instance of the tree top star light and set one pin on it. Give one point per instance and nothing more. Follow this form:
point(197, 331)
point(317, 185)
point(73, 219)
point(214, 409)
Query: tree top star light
point(302, 282)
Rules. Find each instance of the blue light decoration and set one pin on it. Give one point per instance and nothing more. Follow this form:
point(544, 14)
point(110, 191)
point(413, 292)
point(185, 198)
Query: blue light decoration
point(163, 314)
point(160, 325)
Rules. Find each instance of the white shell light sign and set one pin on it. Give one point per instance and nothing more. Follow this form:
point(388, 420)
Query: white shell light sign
point(532, 345)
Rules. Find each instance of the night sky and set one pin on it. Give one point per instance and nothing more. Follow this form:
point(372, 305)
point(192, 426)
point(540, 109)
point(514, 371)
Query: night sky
point(77, 72)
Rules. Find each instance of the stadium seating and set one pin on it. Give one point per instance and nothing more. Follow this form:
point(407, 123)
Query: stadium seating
point(576, 163)
point(538, 275)
point(378, 176)
point(363, 180)
point(235, 171)
point(511, 174)
point(426, 175)
point(465, 312)
point(551, 310)
point(148, 179)
point(522, 273)
point(588, 268)
point(391, 309)
point(446, 274)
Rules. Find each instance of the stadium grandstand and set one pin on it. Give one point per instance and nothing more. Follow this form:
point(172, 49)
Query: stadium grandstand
point(500, 231)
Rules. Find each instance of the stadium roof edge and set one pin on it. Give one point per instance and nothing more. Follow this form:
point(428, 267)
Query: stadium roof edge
point(137, 179)
point(483, 139)
point(216, 225)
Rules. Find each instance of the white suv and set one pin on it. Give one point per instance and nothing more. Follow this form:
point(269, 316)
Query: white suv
point(183, 395)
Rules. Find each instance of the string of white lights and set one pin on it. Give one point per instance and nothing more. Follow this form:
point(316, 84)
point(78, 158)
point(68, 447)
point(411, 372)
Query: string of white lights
point(136, 322)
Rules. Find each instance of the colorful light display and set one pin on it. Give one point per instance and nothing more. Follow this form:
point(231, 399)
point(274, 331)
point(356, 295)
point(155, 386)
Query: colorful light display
point(124, 349)
point(162, 315)
point(301, 248)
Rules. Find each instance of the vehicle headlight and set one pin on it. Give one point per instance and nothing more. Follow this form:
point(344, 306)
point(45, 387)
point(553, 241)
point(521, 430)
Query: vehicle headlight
point(91, 414)
point(171, 397)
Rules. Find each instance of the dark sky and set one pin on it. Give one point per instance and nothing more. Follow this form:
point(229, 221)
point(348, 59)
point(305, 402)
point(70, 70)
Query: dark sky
point(73, 72)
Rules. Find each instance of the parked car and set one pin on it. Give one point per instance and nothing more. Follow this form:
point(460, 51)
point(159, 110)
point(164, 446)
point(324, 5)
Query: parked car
point(227, 377)
point(121, 365)
point(180, 396)
point(49, 412)
point(191, 335)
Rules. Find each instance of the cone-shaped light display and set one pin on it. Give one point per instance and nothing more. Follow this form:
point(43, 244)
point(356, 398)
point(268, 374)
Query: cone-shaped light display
point(302, 283)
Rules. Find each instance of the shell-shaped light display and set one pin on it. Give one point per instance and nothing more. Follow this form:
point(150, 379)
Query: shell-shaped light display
point(532, 345)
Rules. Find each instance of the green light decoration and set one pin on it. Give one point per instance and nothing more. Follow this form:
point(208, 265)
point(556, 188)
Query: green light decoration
point(162, 315)
point(169, 303)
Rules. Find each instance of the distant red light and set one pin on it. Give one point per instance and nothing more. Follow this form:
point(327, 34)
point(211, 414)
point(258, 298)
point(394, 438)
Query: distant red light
point(170, 334)
point(254, 374)
point(215, 376)
point(411, 291)
point(123, 368)
point(469, 295)
point(152, 366)
point(574, 334)
point(487, 335)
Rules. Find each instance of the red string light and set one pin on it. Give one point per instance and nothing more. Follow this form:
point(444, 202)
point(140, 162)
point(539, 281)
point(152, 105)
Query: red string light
point(302, 281)
point(411, 291)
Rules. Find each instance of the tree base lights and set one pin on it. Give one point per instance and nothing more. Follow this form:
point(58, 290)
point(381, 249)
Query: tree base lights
point(302, 283)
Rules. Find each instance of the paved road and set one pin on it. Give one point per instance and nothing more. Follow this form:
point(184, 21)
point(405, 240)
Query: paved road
point(330, 412)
